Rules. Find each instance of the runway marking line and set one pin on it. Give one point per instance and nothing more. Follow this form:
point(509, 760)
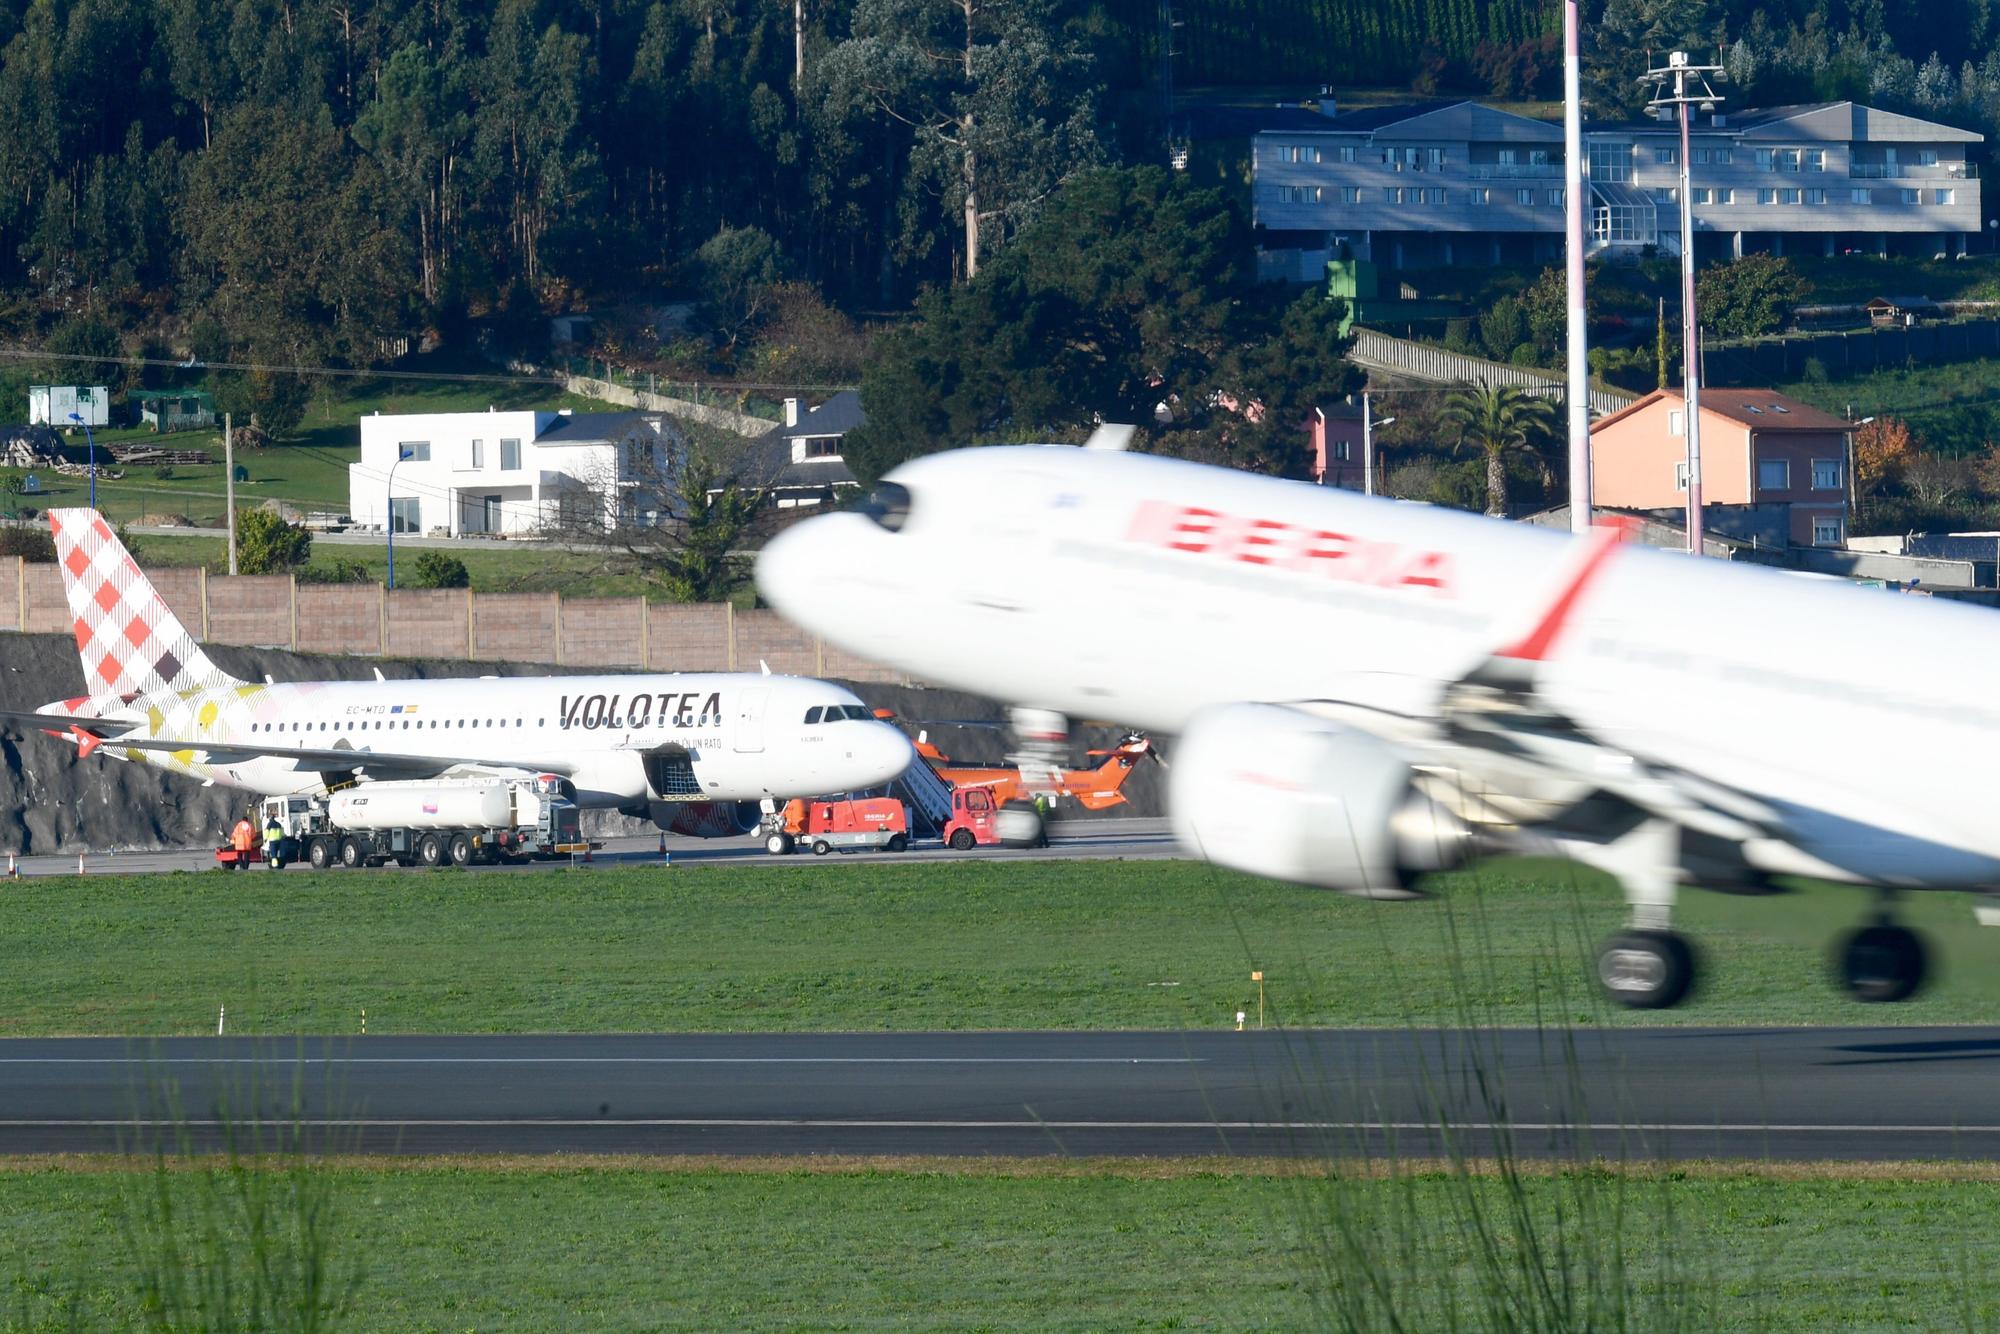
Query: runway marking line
point(789, 1123)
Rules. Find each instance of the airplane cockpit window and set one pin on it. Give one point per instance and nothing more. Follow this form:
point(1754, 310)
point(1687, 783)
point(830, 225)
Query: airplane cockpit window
point(855, 712)
point(888, 504)
point(813, 715)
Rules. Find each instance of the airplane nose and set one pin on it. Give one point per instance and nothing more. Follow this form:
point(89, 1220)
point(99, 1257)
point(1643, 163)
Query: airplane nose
point(882, 753)
point(784, 570)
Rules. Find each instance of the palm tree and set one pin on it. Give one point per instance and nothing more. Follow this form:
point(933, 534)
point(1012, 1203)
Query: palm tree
point(1497, 419)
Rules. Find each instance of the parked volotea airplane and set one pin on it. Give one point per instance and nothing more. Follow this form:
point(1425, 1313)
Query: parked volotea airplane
point(1367, 690)
point(705, 754)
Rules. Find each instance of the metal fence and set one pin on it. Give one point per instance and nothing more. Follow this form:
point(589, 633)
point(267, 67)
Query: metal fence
point(1421, 361)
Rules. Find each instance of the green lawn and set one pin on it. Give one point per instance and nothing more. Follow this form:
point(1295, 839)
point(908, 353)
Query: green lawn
point(437, 1246)
point(306, 468)
point(964, 944)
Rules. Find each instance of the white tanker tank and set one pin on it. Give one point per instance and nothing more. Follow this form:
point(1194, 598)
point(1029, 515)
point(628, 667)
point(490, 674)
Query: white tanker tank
point(468, 805)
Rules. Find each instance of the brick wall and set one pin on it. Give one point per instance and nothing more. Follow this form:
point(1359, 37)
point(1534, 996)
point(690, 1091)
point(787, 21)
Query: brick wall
point(688, 638)
point(604, 632)
point(765, 636)
point(340, 618)
point(262, 611)
point(427, 623)
point(254, 610)
point(514, 627)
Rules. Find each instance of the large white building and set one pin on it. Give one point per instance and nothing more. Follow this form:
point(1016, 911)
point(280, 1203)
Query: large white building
point(511, 472)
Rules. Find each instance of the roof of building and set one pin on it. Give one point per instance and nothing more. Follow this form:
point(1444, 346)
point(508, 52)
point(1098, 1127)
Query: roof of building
point(1906, 302)
point(1365, 119)
point(767, 462)
point(837, 416)
point(1764, 409)
point(588, 428)
point(1242, 122)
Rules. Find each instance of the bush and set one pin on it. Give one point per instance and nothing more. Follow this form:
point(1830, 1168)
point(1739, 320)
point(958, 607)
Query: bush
point(1458, 337)
point(1502, 327)
point(28, 541)
point(339, 570)
point(266, 544)
point(165, 472)
point(437, 569)
point(1527, 354)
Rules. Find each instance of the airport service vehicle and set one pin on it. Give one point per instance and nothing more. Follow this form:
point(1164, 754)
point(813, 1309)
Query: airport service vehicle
point(975, 819)
point(704, 754)
point(850, 824)
point(1366, 691)
point(434, 823)
point(1094, 789)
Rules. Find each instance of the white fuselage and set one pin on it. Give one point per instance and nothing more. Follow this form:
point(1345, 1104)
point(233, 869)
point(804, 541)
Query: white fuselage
point(746, 733)
point(1140, 591)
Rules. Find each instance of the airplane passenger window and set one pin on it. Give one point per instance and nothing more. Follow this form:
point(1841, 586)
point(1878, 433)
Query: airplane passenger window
point(888, 505)
point(813, 716)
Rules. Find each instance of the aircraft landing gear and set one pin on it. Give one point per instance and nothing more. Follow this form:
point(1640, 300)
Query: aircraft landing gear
point(1648, 966)
point(1647, 970)
point(1883, 962)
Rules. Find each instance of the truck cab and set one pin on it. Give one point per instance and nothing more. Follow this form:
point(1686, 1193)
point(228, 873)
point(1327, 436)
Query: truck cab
point(974, 819)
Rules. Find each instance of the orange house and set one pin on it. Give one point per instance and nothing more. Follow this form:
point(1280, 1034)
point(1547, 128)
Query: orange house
point(1759, 450)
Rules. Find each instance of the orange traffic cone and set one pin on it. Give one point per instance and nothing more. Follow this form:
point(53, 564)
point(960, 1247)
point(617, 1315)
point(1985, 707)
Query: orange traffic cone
point(663, 843)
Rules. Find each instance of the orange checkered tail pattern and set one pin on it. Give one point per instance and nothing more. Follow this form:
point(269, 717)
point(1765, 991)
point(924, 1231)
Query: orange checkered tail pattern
point(131, 644)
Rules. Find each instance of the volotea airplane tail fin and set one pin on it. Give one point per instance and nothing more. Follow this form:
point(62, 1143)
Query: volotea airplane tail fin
point(130, 641)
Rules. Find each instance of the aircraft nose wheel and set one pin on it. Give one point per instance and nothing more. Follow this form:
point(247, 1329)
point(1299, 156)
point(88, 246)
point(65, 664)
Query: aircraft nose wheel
point(1884, 962)
point(1646, 970)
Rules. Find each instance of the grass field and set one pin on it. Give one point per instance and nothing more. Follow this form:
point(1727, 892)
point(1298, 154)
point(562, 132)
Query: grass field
point(437, 1245)
point(931, 945)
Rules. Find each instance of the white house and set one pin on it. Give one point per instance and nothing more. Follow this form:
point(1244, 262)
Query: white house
point(52, 404)
point(511, 472)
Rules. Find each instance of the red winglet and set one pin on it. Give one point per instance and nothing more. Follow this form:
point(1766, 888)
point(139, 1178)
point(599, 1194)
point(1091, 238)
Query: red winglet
point(1603, 539)
point(85, 742)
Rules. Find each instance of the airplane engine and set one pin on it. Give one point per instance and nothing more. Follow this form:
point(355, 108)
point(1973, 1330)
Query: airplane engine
point(707, 819)
point(1277, 792)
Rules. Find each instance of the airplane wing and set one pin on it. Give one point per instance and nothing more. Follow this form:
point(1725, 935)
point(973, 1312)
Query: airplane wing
point(89, 733)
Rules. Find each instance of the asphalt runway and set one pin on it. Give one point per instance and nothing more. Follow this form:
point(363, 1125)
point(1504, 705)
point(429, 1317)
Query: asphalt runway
point(1109, 839)
point(1806, 1093)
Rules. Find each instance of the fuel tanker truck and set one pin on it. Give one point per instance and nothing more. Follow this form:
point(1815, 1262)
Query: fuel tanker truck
point(437, 822)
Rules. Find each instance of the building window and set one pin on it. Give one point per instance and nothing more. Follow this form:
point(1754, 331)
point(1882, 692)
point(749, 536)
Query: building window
point(1525, 196)
point(1555, 198)
point(1767, 196)
point(475, 458)
point(1435, 156)
point(1860, 194)
point(1507, 157)
point(1725, 195)
point(1815, 159)
point(1943, 196)
point(1621, 222)
point(1698, 193)
point(510, 455)
point(1699, 157)
point(1788, 196)
point(414, 451)
point(1724, 156)
point(1342, 451)
point(1434, 195)
point(1676, 421)
point(1350, 194)
point(1815, 196)
point(1774, 474)
point(1479, 194)
point(1681, 475)
point(1666, 194)
point(1788, 159)
point(1912, 196)
point(1610, 161)
point(405, 514)
point(1538, 157)
point(1926, 157)
point(1827, 532)
point(1764, 160)
point(1826, 474)
point(1346, 152)
point(1665, 157)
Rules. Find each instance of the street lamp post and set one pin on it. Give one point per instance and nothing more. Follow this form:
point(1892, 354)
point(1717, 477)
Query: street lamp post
point(77, 417)
point(1674, 87)
point(1368, 425)
point(401, 455)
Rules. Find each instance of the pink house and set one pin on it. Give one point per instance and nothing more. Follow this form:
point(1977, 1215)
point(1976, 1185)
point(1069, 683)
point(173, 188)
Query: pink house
point(1759, 449)
point(1336, 445)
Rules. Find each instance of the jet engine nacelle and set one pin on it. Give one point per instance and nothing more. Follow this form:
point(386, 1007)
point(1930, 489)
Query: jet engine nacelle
point(1274, 791)
point(706, 819)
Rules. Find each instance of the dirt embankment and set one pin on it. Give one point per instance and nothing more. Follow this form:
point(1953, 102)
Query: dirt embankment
point(50, 801)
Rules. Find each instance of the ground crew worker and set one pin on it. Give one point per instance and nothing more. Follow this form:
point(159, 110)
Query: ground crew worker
point(273, 832)
point(243, 838)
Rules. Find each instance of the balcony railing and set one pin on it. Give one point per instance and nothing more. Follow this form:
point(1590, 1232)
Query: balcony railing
point(1875, 171)
point(1892, 171)
point(1514, 171)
